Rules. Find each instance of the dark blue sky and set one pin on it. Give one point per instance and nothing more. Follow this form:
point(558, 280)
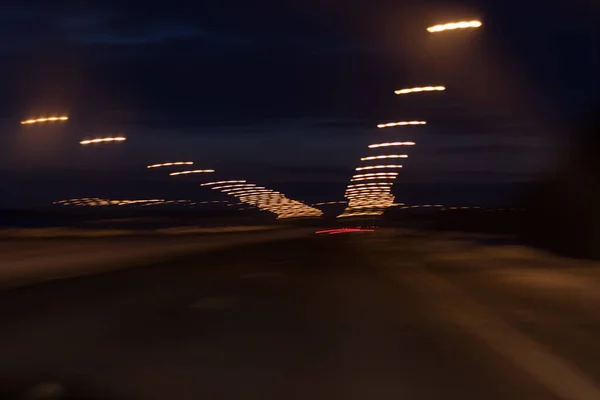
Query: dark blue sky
point(287, 93)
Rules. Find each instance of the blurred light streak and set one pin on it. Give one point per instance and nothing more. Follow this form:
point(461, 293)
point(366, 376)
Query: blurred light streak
point(106, 139)
point(384, 157)
point(343, 230)
point(454, 25)
point(170, 164)
point(358, 185)
point(374, 146)
point(351, 231)
point(241, 185)
point(96, 202)
point(194, 171)
point(365, 193)
point(268, 200)
point(358, 214)
point(376, 174)
point(377, 167)
point(238, 193)
point(368, 188)
point(420, 89)
point(401, 123)
point(369, 206)
point(373, 178)
point(220, 183)
point(48, 119)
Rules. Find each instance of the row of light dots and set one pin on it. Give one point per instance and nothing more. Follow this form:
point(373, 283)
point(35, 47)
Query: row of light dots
point(374, 199)
point(251, 194)
point(264, 199)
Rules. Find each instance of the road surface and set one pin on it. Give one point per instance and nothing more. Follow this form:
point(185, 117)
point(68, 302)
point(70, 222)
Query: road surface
point(380, 316)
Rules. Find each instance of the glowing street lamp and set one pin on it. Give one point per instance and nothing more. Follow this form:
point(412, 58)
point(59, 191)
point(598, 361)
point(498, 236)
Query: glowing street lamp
point(102, 140)
point(374, 146)
point(169, 164)
point(48, 119)
point(402, 123)
point(454, 25)
point(195, 171)
point(377, 167)
point(420, 89)
point(384, 157)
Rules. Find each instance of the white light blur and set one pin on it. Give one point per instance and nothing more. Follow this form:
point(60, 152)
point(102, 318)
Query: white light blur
point(401, 123)
point(220, 183)
point(420, 89)
point(377, 167)
point(48, 119)
point(384, 157)
point(169, 164)
point(454, 25)
point(374, 146)
point(106, 139)
point(194, 171)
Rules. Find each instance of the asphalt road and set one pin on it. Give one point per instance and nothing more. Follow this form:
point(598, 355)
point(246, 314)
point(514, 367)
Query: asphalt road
point(354, 316)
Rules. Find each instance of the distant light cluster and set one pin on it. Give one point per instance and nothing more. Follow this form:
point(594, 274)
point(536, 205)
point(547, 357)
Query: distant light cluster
point(265, 199)
point(106, 139)
point(193, 171)
point(373, 198)
point(169, 164)
point(454, 25)
point(401, 123)
point(48, 119)
point(367, 201)
point(100, 202)
point(420, 89)
point(96, 202)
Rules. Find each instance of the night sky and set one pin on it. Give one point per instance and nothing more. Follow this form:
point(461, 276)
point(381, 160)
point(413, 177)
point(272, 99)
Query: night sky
point(288, 93)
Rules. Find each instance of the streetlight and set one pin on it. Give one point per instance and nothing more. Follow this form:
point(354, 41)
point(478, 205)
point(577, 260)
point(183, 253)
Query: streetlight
point(194, 171)
point(106, 139)
point(402, 123)
point(169, 164)
point(420, 89)
point(48, 119)
point(384, 157)
point(374, 146)
point(377, 167)
point(454, 25)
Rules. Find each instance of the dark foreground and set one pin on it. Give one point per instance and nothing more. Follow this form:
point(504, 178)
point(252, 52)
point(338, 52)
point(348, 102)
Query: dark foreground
point(372, 316)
